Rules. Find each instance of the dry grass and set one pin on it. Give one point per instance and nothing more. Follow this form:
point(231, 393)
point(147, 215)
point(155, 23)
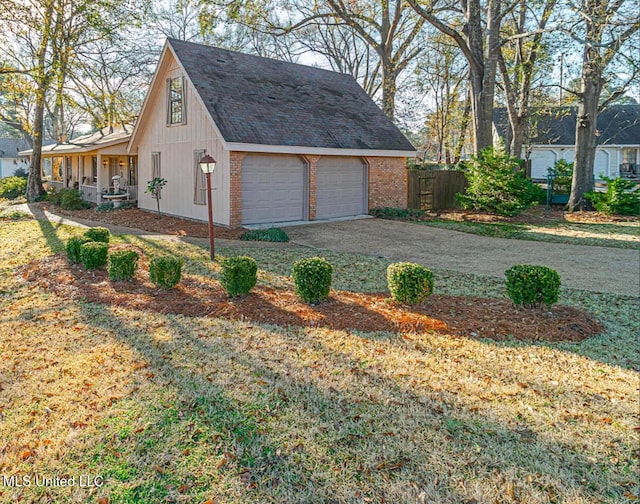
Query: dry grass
point(171, 408)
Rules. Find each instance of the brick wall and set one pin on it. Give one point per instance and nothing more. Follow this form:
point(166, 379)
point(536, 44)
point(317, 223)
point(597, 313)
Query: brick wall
point(312, 163)
point(235, 188)
point(387, 182)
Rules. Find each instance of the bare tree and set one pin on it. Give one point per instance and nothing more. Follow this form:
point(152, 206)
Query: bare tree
point(519, 64)
point(477, 33)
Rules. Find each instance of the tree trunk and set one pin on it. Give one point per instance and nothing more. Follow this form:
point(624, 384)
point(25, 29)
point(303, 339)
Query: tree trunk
point(592, 82)
point(35, 189)
point(463, 129)
point(388, 90)
point(585, 154)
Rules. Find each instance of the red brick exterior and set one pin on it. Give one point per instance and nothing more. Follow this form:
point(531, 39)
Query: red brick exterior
point(387, 182)
point(312, 163)
point(235, 188)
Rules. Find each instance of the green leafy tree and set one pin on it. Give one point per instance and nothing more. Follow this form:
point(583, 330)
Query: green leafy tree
point(497, 184)
point(154, 187)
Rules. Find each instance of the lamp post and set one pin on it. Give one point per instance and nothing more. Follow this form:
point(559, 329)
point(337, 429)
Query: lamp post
point(208, 165)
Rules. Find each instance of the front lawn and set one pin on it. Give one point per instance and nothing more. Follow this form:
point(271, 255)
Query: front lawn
point(155, 407)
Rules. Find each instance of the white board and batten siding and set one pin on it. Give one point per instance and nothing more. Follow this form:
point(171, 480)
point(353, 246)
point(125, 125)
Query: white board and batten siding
point(178, 146)
point(274, 189)
point(341, 187)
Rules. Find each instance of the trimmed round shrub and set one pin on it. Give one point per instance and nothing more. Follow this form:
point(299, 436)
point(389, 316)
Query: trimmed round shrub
point(409, 283)
point(94, 254)
point(122, 264)
point(98, 234)
point(165, 271)
point(239, 275)
point(73, 248)
point(531, 286)
point(312, 279)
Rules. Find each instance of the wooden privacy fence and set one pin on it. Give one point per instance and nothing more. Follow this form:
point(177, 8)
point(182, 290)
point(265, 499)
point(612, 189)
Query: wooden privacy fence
point(435, 189)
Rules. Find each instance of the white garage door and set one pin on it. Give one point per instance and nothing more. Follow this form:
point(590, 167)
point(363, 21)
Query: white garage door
point(541, 161)
point(340, 187)
point(272, 189)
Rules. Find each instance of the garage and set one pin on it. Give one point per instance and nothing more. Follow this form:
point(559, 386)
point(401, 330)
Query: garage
point(340, 187)
point(541, 161)
point(273, 189)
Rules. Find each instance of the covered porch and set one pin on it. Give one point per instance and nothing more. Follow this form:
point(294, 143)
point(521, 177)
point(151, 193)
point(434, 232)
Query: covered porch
point(91, 164)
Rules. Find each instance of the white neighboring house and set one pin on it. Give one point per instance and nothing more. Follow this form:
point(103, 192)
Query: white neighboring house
point(617, 141)
point(10, 157)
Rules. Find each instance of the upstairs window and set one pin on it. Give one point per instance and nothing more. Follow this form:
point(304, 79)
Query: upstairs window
point(176, 113)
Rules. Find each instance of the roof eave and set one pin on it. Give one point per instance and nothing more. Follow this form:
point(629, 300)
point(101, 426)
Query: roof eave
point(319, 151)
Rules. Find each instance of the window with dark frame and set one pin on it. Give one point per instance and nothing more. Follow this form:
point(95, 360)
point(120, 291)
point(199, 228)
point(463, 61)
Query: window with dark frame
point(176, 112)
point(199, 180)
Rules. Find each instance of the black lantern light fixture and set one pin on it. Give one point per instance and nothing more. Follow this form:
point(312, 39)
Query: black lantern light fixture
point(208, 165)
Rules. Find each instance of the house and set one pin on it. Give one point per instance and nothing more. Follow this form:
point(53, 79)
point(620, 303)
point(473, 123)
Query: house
point(292, 142)
point(617, 140)
point(90, 162)
point(10, 157)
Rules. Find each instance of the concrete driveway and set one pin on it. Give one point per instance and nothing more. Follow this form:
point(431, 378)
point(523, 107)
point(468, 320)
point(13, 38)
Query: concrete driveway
point(598, 269)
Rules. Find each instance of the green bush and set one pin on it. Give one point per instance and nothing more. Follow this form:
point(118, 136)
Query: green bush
point(396, 213)
point(71, 199)
point(73, 248)
point(98, 234)
point(562, 173)
point(620, 198)
point(266, 235)
point(94, 254)
point(409, 283)
point(13, 187)
point(497, 184)
point(238, 275)
point(531, 286)
point(312, 279)
point(165, 271)
point(122, 264)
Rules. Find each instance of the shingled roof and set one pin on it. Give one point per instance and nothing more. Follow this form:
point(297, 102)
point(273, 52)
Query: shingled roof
point(617, 125)
point(257, 100)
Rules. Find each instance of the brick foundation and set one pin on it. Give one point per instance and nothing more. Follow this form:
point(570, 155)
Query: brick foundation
point(387, 182)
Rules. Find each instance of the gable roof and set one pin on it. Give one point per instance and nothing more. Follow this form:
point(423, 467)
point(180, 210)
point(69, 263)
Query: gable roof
point(255, 100)
point(10, 147)
point(617, 125)
point(104, 137)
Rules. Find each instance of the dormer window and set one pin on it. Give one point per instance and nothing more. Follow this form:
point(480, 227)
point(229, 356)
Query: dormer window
point(176, 113)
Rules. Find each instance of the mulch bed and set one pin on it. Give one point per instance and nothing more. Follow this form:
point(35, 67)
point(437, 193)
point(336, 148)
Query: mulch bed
point(198, 296)
point(533, 215)
point(148, 221)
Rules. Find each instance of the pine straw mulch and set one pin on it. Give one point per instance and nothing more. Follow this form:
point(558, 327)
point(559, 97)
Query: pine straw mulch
point(148, 221)
point(533, 215)
point(198, 296)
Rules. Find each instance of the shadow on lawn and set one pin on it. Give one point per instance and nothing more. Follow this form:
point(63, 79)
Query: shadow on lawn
point(331, 433)
point(48, 229)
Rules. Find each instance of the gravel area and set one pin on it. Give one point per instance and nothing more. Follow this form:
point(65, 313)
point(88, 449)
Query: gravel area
point(598, 269)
